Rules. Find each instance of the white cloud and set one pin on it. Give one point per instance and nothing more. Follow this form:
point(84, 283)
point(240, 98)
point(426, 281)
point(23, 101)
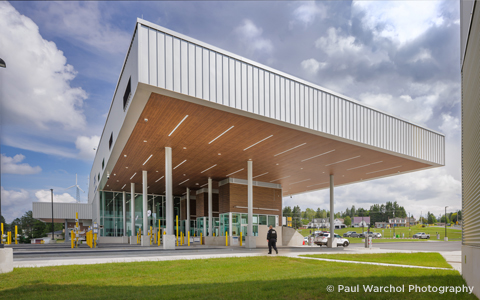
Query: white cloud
point(251, 36)
point(85, 23)
point(11, 197)
point(46, 196)
point(36, 87)
point(401, 21)
point(86, 145)
point(450, 125)
point(308, 12)
point(12, 165)
point(312, 65)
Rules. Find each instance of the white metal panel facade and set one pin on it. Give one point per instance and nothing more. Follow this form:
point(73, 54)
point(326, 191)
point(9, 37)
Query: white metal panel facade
point(471, 136)
point(43, 210)
point(183, 65)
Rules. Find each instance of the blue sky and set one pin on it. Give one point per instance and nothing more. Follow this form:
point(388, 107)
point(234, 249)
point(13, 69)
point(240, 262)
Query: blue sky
point(64, 59)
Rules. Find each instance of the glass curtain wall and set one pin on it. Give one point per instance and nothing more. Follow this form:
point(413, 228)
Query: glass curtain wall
point(240, 223)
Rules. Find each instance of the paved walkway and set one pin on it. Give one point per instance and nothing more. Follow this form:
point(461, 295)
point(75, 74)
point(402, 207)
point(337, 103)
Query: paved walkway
point(117, 253)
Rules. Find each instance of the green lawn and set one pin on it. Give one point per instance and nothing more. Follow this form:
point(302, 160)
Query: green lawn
point(414, 259)
point(271, 277)
point(453, 234)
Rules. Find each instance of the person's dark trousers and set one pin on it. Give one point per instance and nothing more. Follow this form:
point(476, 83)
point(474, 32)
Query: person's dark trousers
point(272, 243)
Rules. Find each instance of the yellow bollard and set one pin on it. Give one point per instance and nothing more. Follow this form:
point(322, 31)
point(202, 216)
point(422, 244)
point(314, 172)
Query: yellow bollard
point(200, 238)
point(95, 240)
point(240, 239)
point(177, 229)
point(72, 238)
point(181, 238)
point(1, 237)
point(188, 241)
point(226, 238)
point(16, 235)
point(214, 234)
point(151, 235)
point(9, 238)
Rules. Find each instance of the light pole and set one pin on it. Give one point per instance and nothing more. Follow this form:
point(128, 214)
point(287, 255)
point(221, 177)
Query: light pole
point(2, 65)
point(445, 219)
point(53, 236)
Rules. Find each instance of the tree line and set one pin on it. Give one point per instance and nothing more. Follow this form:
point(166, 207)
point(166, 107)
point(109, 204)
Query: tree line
point(29, 228)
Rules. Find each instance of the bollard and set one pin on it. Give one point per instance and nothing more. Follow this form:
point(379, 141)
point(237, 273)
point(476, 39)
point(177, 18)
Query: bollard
point(181, 236)
point(226, 238)
point(1, 238)
point(214, 234)
point(9, 239)
point(72, 238)
point(16, 235)
point(151, 235)
point(240, 239)
point(188, 238)
point(177, 229)
point(200, 238)
point(94, 240)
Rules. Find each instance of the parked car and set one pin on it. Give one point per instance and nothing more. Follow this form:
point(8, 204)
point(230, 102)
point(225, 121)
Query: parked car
point(349, 233)
point(377, 235)
point(354, 234)
point(322, 239)
point(421, 235)
point(366, 233)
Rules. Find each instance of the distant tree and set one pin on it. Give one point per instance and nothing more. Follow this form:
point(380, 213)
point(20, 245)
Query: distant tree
point(353, 211)
point(296, 217)
point(309, 214)
point(443, 219)
point(318, 213)
point(2, 219)
point(347, 221)
point(453, 217)
point(287, 211)
point(431, 218)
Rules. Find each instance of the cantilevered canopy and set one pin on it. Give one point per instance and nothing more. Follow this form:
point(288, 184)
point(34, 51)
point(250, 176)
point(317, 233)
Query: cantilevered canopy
point(208, 142)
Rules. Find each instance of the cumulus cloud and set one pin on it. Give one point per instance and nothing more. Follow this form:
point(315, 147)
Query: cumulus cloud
point(12, 197)
point(12, 165)
point(15, 203)
point(307, 12)
point(312, 65)
point(86, 146)
point(252, 38)
point(46, 196)
point(37, 89)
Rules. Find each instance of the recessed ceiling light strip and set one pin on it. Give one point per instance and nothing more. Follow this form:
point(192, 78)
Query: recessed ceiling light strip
point(124, 186)
point(179, 164)
point(183, 182)
point(318, 155)
point(300, 181)
point(133, 175)
point(290, 149)
point(260, 175)
point(159, 179)
point(383, 170)
point(280, 178)
point(208, 168)
point(148, 159)
point(220, 135)
point(317, 184)
point(234, 172)
point(257, 143)
point(178, 125)
point(204, 184)
point(342, 160)
point(364, 166)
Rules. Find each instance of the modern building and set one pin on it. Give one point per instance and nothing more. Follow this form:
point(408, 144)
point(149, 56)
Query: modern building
point(218, 140)
point(470, 59)
point(361, 222)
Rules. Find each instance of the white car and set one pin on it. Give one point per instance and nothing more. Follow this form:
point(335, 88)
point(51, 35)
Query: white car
point(421, 235)
point(322, 239)
point(377, 235)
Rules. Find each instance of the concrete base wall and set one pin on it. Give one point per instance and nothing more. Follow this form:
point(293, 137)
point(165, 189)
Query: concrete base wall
point(291, 237)
point(113, 239)
point(250, 242)
point(169, 241)
point(262, 235)
point(332, 242)
point(133, 240)
point(471, 267)
point(145, 240)
point(6, 260)
point(215, 241)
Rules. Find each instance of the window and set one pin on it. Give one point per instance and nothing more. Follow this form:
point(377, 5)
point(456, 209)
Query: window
point(128, 91)
point(271, 221)
point(110, 142)
point(103, 165)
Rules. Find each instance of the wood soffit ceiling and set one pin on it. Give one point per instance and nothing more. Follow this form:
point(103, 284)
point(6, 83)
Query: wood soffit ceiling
point(299, 161)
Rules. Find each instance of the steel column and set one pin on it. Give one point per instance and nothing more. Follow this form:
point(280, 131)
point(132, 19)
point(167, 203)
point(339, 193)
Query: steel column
point(250, 198)
point(168, 191)
point(210, 210)
point(124, 213)
point(187, 225)
point(132, 210)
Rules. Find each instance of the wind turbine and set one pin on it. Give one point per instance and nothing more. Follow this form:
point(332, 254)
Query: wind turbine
point(78, 189)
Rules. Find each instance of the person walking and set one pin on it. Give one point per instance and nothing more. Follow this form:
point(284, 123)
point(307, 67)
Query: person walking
point(272, 240)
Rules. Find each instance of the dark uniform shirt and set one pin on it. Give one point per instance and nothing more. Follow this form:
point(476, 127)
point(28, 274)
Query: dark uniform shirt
point(272, 235)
